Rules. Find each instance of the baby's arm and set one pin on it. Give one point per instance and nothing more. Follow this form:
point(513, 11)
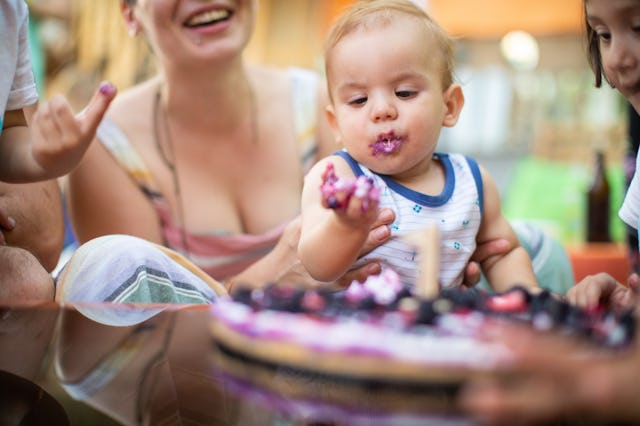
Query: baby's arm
point(336, 219)
point(513, 267)
point(52, 142)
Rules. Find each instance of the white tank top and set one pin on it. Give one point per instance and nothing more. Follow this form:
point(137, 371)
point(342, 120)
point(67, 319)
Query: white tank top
point(457, 211)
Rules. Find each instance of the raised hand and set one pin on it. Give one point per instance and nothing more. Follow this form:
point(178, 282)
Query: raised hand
point(354, 200)
point(58, 138)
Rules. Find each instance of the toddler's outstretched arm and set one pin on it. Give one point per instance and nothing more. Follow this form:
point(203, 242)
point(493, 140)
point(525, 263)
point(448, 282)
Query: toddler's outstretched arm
point(336, 219)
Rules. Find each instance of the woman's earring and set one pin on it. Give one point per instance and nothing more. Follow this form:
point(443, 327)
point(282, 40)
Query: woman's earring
point(134, 29)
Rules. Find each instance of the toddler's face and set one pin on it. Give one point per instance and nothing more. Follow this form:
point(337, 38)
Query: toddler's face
point(388, 104)
point(617, 24)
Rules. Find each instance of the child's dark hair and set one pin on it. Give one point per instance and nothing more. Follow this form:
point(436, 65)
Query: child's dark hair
point(593, 50)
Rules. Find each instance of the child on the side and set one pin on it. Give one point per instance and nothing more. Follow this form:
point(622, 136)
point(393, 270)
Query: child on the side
point(571, 382)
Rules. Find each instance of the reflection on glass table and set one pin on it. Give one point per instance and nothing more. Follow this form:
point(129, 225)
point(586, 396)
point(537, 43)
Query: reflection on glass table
point(160, 366)
point(169, 364)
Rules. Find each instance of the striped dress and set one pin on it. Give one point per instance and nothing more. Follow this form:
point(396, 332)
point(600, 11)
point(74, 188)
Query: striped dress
point(218, 253)
point(457, 211)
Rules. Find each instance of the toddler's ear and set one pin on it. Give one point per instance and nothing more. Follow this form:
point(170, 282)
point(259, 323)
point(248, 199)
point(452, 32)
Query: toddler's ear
point(453, 103)
point(333, 124)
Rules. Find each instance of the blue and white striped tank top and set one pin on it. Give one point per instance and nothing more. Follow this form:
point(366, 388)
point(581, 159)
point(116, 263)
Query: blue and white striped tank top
point(457, 211)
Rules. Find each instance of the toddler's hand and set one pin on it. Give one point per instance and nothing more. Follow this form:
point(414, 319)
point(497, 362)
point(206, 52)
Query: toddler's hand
point(60, 139)
point(335, 191)
point(352, 199)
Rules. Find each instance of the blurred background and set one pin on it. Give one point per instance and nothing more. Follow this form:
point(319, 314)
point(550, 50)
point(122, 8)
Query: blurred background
point(532, 115)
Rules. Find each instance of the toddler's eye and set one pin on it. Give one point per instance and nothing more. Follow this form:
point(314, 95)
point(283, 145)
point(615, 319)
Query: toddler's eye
point(358, 101)
point(404, 94)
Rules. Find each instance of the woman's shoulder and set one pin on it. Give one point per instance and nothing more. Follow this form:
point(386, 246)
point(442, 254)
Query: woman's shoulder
point(283, 79)
point(275, 72)
point(133, 103)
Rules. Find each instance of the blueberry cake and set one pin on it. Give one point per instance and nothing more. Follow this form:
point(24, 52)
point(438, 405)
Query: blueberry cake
point(381, 333)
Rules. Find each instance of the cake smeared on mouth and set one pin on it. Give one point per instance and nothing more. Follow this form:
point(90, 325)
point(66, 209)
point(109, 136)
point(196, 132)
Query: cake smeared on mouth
point(337, 192)
point(387, 143)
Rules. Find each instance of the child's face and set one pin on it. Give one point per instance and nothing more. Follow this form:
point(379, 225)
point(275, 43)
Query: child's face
point(388, 103)
point(617, 24)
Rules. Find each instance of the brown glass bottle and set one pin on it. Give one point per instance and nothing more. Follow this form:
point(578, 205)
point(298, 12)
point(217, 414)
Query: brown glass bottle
point(598, 203)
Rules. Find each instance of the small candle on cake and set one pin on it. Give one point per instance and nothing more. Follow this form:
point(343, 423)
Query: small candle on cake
point(427, 243)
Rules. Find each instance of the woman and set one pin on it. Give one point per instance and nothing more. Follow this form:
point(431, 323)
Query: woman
point(207, 157)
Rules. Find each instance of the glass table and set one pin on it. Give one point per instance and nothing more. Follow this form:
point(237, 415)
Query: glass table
point(159, 365)
point(151, 364)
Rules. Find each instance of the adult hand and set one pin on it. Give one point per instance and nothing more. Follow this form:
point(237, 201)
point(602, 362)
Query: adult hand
point(482, 253)
point(555, 379)
point(283, 265)
point(60, 139)
point(603, 288)
point(378, 235)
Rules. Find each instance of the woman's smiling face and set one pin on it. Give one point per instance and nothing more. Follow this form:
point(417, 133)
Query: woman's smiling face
point(190, 29)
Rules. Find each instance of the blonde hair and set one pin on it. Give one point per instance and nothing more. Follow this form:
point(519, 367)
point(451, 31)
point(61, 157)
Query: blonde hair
point(105, 47)
point(368, 14)
point(102, 50)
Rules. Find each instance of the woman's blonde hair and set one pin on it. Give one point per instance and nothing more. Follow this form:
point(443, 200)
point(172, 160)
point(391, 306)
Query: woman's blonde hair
point(102, 50)
point(371, 13)
point(105, 47)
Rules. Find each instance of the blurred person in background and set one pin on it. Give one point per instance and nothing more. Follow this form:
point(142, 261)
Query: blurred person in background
point(554, 378)
point(38, 143)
